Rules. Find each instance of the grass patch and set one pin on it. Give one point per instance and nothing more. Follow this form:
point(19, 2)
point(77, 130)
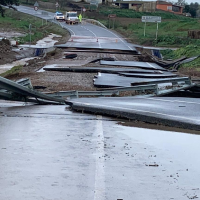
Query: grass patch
point(170, 33)
point(20, 22)
point(120, 12)
point(188, 51)
point(13, 71)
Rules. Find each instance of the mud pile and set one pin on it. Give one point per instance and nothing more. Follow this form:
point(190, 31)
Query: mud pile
point(5, 46)
point(6, 53)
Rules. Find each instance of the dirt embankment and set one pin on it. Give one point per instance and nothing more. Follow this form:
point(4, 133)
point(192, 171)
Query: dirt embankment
point(6, 53)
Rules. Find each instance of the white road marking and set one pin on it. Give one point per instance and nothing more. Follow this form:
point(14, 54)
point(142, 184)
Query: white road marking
point(144, 111)
point(117, 37)
point(172, 101)
point(93, 34)
point(151, 65)
point(99, 187)
point(69, 29)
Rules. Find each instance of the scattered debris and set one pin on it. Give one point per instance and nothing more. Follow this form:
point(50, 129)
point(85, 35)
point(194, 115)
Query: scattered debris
point(70, 55)
point(152, 165)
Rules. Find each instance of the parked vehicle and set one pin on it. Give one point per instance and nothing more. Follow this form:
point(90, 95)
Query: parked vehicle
point(71, 17)
point(59, 16)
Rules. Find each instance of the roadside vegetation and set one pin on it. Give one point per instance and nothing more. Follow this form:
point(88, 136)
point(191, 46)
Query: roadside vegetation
point(134, 14)
point(188, 51)
point(172, 32)
point(16, 21)
point(14, 71)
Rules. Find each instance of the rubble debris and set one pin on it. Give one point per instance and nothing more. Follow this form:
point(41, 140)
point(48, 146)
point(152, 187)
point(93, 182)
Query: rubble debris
point(5, 46)
point(70, 55)
point(152, 165)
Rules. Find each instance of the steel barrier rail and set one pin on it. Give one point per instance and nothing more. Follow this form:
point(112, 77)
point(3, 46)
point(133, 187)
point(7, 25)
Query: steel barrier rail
point(174, 89)
point(174, 81)
point(25, 92)
point(105, 92)
point(95, 21)
point(82, 93)
point(97, 93)
point(5, 95)
point(63, 93)
point(132, 88)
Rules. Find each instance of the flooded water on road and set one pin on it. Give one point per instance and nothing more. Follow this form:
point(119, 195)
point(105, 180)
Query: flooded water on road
point(50, 152)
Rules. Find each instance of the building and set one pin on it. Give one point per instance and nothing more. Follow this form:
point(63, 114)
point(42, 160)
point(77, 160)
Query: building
point(149, 6)
point(169, 7)
point(140, 6)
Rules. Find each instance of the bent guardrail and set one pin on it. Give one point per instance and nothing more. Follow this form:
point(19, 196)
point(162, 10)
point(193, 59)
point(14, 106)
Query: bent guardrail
point(22, 90)
point(93, 21)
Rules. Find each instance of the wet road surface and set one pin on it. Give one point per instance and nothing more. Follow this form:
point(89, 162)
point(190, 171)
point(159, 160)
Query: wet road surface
point(49, 152)
point(170, 111)
point(85, 34)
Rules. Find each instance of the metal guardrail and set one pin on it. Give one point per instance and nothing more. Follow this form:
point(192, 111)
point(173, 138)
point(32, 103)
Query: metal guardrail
point(22, 90)
point(93, 21)
point(174, 81)
point(76, 94)
point(106, 92)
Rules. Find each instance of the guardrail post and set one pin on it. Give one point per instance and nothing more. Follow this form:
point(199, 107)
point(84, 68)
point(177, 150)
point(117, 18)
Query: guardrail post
point(189, 82)
point(157, 89)
point(77, 94)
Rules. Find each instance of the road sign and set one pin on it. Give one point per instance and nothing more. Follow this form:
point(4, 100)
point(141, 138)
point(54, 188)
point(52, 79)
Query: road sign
point(35, 8)
point(112, 15)
point(84, 9)
point(156, 19)
point(36, 4)
point(57, 4)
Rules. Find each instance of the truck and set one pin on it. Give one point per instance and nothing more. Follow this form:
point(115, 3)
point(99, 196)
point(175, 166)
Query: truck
point(71, 17)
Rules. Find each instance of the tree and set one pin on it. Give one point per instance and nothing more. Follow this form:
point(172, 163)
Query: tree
point(180, 2)
point(8, 3)
point(192, 9)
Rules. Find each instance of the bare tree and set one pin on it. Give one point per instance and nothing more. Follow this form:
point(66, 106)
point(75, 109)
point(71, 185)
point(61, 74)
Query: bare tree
point(181, 2)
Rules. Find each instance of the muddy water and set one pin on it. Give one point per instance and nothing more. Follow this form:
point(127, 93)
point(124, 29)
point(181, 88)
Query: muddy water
point(43, 43)
point(50, 152)
point(6, 67)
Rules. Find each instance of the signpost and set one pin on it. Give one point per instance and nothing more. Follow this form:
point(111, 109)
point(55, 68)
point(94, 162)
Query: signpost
point(83, 10)
point(36, 5)
point(57, 5)
point(155, 19)
point(30, 26)
point(112, 17)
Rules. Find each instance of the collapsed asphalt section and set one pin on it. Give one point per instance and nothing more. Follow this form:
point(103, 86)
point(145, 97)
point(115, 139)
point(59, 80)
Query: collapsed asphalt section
point(168, 111)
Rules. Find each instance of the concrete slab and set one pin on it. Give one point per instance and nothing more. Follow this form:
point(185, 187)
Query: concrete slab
point(99, 69)
point(168, 111)
point(143, 65)
point(165, 75)
point(114, 80)
point(96, 46)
